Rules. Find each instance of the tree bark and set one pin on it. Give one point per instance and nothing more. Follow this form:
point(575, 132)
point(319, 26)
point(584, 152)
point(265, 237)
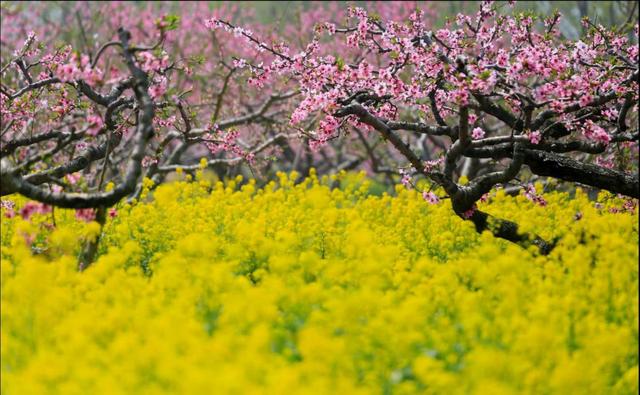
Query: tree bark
point(509, 230)
point(90, 249)
point(549, 164)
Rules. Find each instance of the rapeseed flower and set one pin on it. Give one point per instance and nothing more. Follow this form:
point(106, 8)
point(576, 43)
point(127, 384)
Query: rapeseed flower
point(301, 288)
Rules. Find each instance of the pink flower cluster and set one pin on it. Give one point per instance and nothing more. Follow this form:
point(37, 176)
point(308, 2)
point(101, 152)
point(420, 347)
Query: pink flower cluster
point(31, 208)
point(218, 141)
point(159, 88)
point(430, 197)
point(85, 214)
point(535, 137)
point(73, 178)
point(95, 124)
point(406, 178)
point(469, 213)
point(508, 49)
point(8, 207)
point(65, 104)
point(531, 194)
point(149, 62)
point(238, 32)
point(594, 132)
point(77, 69)
point(477, 133)
point(148, 161)
point(31, 38)
point(326, 130)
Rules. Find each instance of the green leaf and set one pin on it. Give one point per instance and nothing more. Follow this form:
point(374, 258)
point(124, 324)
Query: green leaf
point(197, 60)
point(170, 22)
point(485, 74)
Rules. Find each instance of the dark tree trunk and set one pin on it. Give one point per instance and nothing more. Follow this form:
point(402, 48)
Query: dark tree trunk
point(90, 249)
point(508, 230)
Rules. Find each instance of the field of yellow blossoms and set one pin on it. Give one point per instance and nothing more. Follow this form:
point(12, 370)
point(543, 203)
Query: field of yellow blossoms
point(296, 288)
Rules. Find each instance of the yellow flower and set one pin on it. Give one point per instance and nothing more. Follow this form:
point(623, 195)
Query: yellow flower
point(301, 286)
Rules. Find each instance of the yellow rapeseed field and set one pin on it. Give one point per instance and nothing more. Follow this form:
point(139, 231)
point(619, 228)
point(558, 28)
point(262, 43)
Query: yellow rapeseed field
point(298, 288)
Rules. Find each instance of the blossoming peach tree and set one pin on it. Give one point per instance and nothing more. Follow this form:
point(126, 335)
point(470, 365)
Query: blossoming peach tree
point(497, 98)
point(82, 125)
point(507, 90)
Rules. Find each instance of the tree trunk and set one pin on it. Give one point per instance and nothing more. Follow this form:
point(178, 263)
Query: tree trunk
point(508, 230)
point(90, 249)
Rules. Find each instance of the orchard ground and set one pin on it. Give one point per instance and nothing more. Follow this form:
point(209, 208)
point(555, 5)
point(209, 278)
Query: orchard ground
point(298, 287)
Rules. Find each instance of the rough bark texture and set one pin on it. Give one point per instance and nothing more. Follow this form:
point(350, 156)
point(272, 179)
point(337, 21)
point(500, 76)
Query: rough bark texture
point(567, 169)
point(550, 164)
point(509, 230)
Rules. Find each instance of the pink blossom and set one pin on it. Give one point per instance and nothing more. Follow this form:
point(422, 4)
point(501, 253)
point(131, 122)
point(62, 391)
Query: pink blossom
point(67, 72)
point(113, 212)
point(73, 178)
point(8, 206)
point(595, 132)
point(159, 89)
point(432, 164)
point(328, 126)
point(148, 161)
point(406, 178)
point(298, 115)
point(32, 207)
point(316, 144)
point(477, 133)
point(460, 96)
point(212, 23)
point(585, 100)
point(469, 213)
point(430, 197)
point(95, 124)
point(461, 19)
point(630, 205)
point(535, 137)
point(331, 28)
point(605, 162)
point(150, 62)
point(531, 194)
point(239, 63)
point(502, 59)
point(610, 113)
point(85, 214)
